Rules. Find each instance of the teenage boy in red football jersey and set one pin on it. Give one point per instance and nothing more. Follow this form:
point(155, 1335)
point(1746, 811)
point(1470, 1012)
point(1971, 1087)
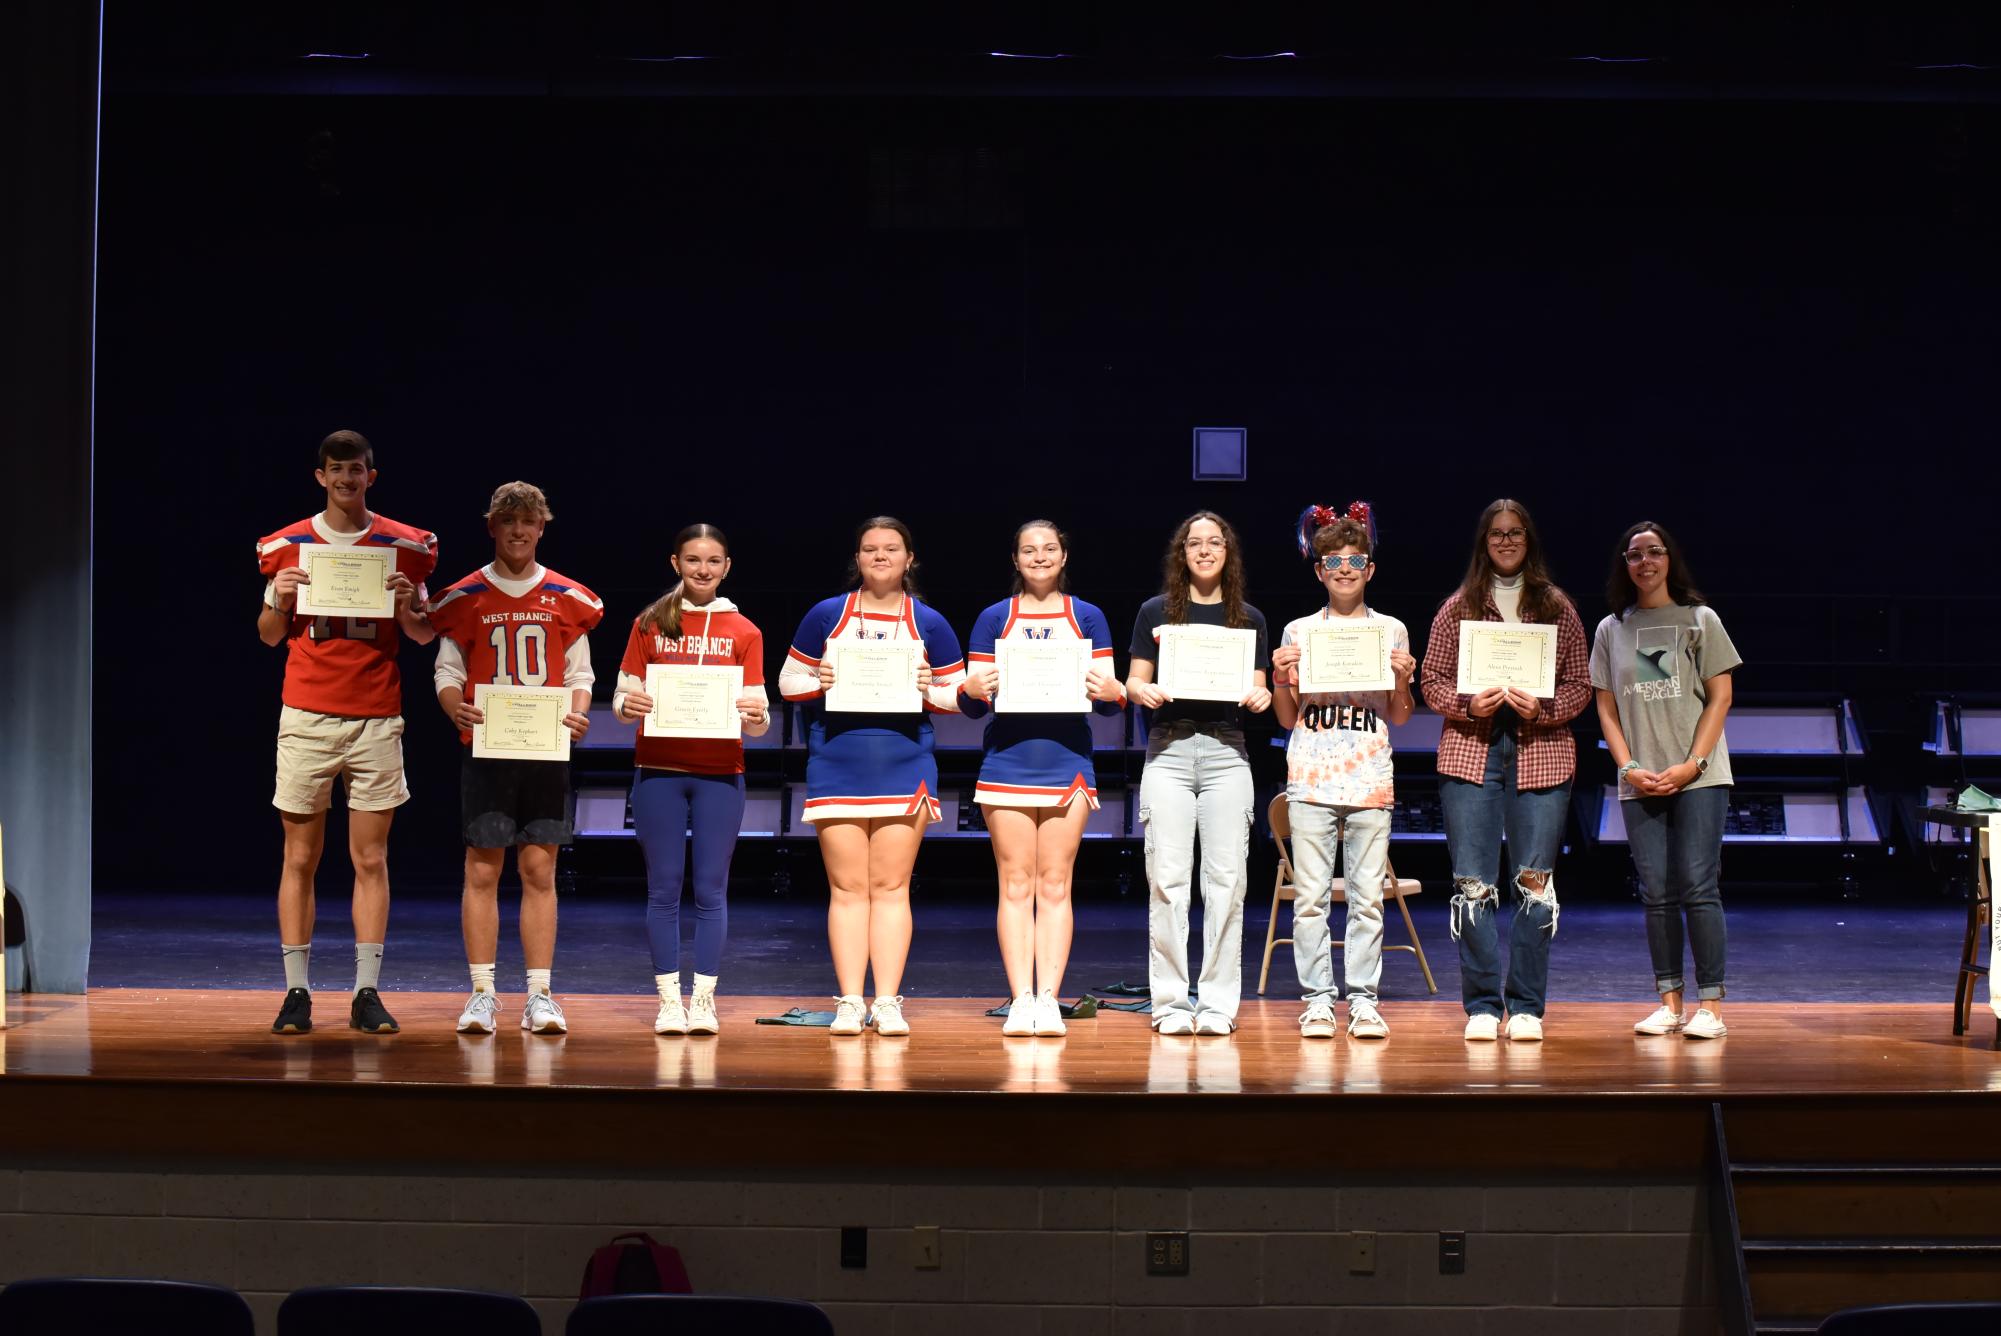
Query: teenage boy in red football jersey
point(513, 622)
point(342, 718)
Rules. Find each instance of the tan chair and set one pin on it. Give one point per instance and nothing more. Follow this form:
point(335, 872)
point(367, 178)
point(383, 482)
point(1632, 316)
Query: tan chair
point(1279, 814)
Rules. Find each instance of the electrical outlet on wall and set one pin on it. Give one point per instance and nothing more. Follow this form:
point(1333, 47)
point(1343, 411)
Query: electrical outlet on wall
point(927, 1250)
point(1362, 1253)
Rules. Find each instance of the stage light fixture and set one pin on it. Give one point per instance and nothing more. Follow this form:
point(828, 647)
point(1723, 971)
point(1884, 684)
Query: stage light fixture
point(1222, 454)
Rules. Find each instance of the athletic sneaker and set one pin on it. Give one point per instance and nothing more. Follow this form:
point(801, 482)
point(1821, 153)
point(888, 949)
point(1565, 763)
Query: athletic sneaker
point(1049, 1016)
point(1524, 1028)
point(1704, 1024)
point(702, 1012)
point(1174, 1022)
point(673, 1017)
point(1662, 1021)
point(1364, 1021)
point(478, 1017)
point(887, 1016)
point(542, 1015)
point(1211, 1022)
point(367, 1013)
point(1483, 1027)
point(849, 1016)
point(1317, 1022)
point(1021, 1014)
point(295, 1013)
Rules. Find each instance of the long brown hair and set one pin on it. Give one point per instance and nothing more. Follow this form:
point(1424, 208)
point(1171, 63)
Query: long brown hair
point(1622, 595)
point(1542, 600)
point(901, 530)
point(1062, 541)
point(664, 614)
point(1175, 580)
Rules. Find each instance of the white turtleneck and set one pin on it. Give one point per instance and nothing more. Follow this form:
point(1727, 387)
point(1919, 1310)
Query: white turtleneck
point(1508, 596)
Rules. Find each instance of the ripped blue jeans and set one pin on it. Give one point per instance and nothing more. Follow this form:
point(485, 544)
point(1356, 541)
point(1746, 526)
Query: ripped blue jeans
point(1197, 780)
point(1477, 818)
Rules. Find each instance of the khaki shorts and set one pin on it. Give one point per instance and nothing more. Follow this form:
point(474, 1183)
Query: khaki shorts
point(314, 749)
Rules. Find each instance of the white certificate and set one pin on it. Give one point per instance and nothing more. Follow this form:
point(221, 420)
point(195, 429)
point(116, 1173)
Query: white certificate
point(1521, 655)
point(522, 723)
point(1042, 676)
point(346, 580)
point(1345, 658)
point(1993, 833)
point(875, 676)
point(1208, 662)
point(694, 700)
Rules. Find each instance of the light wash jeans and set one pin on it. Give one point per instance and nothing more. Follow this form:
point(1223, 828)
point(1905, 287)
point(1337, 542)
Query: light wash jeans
point(1677, 845)
point(1197, 778)
point(1364, 835)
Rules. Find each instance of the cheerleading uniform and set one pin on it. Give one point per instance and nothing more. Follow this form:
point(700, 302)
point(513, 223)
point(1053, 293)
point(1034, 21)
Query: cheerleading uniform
point(870, 765)
point(1038, 760)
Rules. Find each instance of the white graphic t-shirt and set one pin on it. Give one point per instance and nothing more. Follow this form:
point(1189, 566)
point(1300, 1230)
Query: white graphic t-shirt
point(1339, 753)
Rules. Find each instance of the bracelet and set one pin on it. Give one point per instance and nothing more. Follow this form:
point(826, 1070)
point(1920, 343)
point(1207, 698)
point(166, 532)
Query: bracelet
point(1627, 768)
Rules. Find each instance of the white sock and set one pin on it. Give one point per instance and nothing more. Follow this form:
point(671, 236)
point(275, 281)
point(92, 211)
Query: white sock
point(297, 960)
point(367, 964)
point(538, 981)
point(705, 983)
point(482, 978)
point(668, 986)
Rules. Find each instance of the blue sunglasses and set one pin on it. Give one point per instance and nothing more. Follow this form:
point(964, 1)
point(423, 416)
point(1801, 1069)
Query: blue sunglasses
point(1332, 561)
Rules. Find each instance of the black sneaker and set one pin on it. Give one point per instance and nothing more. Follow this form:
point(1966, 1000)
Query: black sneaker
point(370, 1015)
point(296, 1015)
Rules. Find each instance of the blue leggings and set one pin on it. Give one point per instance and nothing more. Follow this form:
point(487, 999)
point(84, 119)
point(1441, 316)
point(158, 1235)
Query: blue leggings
point(666, 805)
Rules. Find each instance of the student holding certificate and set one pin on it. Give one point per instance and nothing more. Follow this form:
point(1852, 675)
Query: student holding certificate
point(866, 668)
point(343, 710)
point(690, 779)
point(1199, 654)
point(1041, 661)
point(1342, 677)
point(514, 673)
point(1661, 665)
point(1505, 761)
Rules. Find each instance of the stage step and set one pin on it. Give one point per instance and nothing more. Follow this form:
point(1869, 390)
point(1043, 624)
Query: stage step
point(1890, 1201)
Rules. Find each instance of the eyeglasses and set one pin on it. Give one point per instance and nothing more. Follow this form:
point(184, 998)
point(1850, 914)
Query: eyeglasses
point(1332, 561)
point(1211, 544)
point(1636, 555)
point(1506, 535)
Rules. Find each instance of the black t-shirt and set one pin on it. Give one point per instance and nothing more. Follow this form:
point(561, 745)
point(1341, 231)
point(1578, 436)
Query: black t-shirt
point(1146, 645)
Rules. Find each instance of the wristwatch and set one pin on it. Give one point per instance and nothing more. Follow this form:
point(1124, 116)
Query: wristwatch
point(1701, 764)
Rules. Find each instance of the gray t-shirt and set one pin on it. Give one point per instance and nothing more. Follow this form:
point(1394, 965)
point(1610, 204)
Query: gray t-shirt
point(1655, 661)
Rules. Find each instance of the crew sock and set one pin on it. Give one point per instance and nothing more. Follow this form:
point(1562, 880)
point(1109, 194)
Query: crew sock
point(297, 960)
point(367, 965)
point(482, 978)
point(538, 981)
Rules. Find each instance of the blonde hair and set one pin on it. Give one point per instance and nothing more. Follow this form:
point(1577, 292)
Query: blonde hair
point(516, 498)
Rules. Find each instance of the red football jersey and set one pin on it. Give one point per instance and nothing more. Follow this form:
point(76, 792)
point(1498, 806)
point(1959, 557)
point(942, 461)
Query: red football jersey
point(346, 665)
point(514, 640)
point(722, 637)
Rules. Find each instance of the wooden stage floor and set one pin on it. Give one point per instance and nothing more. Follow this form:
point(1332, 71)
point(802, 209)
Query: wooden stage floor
point(190, 1076)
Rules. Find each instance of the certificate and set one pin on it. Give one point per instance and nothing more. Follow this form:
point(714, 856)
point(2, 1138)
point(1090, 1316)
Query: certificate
point(1521, 655)
point(875, 677)
point(1334, 658)
point(522, 723)
point(346, 580)
point(1042, 676)
point(1208, 662)
point(693, 700)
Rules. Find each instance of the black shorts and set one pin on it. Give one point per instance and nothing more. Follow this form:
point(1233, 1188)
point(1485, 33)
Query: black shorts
point(504, 802)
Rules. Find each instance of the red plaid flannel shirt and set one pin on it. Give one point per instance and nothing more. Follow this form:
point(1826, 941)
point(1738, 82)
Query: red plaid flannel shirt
point(1545, 751)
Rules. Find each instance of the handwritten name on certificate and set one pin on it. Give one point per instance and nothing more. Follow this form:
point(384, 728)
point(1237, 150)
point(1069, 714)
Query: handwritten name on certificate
point(522, 723)
point(1042, 676)
point(346, 580)
point(1335, 658)
point(1521, 655)
point(694, 700)
point(1208, 662)
point(875, 677)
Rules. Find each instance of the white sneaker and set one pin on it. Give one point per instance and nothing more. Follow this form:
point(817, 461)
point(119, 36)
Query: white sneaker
point(1483, 1028)
point(1210, 1022)
point(478, 1017)
point(702, 1012)
point(1174, 1022)
point(1704, 1024)
point(1524, 1028)
point(849, 1016)
point(1364, 1021)
point(543, 1016)
point(887, 1016)
point(1317, 1021)
point(1020, 1016)
point(1049, 1016)
point(673, 1018)
point(1662, 1021)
